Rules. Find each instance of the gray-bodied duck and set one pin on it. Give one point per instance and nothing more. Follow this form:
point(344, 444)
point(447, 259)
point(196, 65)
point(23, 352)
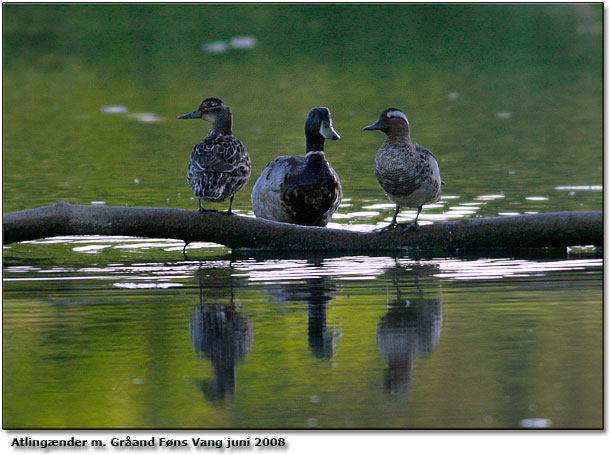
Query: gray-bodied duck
point(407, 172)
point(301, 189)
point(220, 164)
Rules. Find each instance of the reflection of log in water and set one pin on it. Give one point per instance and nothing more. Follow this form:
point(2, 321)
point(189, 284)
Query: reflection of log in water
point(316, 292)
point(410, 329)
point(225, 336)
point(220, 332)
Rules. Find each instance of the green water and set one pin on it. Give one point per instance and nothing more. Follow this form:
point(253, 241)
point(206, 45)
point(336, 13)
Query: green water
point(103, 332)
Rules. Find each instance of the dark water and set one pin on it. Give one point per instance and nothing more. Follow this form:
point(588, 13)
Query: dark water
point(123, 332)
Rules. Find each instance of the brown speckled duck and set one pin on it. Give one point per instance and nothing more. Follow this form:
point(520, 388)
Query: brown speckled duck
point(407, 172)
point(220, 164)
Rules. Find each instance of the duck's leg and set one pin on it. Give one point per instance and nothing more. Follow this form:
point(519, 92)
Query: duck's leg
point(202, 209)
point(230, 204)
point(412, 226)
point(417, 215)
point(393, 223)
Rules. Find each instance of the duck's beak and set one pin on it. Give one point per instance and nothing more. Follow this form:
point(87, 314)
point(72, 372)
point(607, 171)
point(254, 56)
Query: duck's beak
point(328, 132)
point(194, 114)
point(376, 126)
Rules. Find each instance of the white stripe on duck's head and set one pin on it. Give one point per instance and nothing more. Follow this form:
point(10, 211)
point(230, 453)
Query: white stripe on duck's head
point(392, 121)
point(319, 122)
point(210, 109)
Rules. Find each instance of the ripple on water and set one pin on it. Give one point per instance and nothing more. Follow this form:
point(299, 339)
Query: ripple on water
point(114, 109)
point(243, 42)
point(581, 188)
point(366, 266)
point(145, 117)
point(380, 206)
point(363, 213)
point(489, 197)
point(92, 249)
point(215, 47)
point(98, 243)
point(146, 285)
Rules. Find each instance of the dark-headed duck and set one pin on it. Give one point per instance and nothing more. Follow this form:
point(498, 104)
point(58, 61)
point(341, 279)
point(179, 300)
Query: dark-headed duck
point(301, 189)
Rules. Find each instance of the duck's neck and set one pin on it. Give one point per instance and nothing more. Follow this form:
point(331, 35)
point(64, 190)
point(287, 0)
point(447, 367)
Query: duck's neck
point(399, 131)
point(399, 137)
point(315, 143)
point(223, 123)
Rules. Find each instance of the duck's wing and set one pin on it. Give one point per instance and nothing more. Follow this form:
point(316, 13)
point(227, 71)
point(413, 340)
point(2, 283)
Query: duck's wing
point(268, 192)
point(224, 154)
point(284, 167)
point(428, 153)
point(338, 195)
point(424, 151)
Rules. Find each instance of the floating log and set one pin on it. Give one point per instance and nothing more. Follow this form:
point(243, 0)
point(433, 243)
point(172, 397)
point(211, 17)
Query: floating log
point(557, 229)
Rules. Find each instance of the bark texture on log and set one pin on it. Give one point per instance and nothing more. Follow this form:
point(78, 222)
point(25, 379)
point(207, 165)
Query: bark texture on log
point(556, 229)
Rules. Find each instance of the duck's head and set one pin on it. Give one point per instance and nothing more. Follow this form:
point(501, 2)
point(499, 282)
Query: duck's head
point(319, 123)
point(392, 121)
point(210, 109)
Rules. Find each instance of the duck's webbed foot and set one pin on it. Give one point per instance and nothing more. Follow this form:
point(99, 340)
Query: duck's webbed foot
point(201, 208)
point(393, 224)
point(414, 226)
point(390, 227)
point(409, 227)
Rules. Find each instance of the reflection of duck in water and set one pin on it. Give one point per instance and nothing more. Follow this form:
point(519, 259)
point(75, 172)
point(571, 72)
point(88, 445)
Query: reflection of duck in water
point(410, 329)
point(322, 341)
point(316, 292)
point(224, 335)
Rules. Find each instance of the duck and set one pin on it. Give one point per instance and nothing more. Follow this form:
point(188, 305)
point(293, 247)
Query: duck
point(407, 172)
point(220, 164)
point(302, 190)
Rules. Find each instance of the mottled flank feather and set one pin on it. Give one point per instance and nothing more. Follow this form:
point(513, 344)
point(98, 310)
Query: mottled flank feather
point(219, 167)
point(408, 173)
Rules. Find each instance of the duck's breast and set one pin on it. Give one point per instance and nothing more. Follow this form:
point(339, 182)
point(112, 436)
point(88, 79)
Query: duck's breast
point(408, 176)
point(267, 194)
point(313, 196)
